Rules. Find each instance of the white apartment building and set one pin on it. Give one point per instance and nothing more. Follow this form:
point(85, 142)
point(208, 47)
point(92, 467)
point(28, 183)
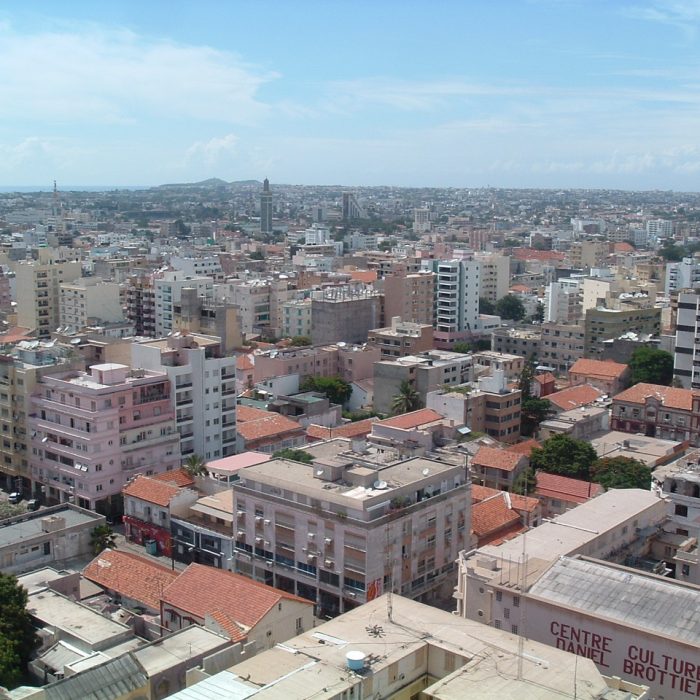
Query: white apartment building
point(39, 293)
point(457, 287)
point(168, 292)
point(682, 275)
point(495, 275)
point(89, 301)
point(204, 395)
point(686, 363)
point(562, 301)
point(341, 534)
point(661, 228)
point(206, 266)
point(421, 220)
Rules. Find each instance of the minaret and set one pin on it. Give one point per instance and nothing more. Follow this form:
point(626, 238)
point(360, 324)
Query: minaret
point(266, 208)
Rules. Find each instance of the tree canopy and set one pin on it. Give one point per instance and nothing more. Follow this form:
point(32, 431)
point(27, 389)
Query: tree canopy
point(621, 473)
point(294, 455)
point(18, 637)
point(510, 308)
point(532, 412)
point(652, 366)
point(486, 306)
point(101, 538)
point(336, 389)
point(407, 400)
point(300, 341)
point(195, 466)
point(564, 455)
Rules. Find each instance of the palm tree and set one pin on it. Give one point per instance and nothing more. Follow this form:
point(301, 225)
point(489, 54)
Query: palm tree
point(101, 538)
point(195, 466)
point(408, 399)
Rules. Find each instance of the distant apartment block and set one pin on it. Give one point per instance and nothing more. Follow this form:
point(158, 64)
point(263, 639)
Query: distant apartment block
point(89, 301)
point(344, 314)
point(402, 338)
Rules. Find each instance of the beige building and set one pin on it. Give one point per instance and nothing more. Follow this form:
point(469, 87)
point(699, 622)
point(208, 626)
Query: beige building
point(401, 338)
point(584, 254)
point(39, 292)
point(341, 534)
point(603, 323)
point(410, 296)
point(89, 301)
point(495, 276)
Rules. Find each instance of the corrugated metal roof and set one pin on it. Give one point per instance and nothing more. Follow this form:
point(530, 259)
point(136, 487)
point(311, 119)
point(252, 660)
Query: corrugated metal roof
point(109, 681)
point(61, 654)
point(221, 686)
point(663, 606)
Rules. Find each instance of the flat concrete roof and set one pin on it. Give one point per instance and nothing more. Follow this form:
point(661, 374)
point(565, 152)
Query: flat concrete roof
point(27, 527)
point(177, 647)
point(79, 621)
point(314, 664)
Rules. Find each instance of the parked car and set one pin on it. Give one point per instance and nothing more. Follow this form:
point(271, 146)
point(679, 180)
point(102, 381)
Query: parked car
point(15, 497)
point(33, 504)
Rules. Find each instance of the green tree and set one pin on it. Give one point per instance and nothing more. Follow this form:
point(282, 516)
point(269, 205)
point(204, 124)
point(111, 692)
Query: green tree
point(257, 255)
point(294, 455)
point(407, 400)
point(564, 455)
point(462, 347)
point(486, 306)
point(195, 466)
point(671, 252)
point(18, 637)
point(621, 473)
point(526, 482)
point(652, 366)
point(335, 388)
point(532, 412)
point(101, 538)
point(539, 313)
point(510, 308)
point(300, 341)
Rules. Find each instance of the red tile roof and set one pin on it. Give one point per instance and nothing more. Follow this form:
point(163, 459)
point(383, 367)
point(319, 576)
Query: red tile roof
point(256, 424)
point(524, 448)
point(244, 363)
point(623, 247)
point(15, 334)
point(497, 458)
point(604, 369)
point(566, 489)
point(414, 419)
point(545, 378)
point(493, 520)
point(574, 397)
point(669, 397)
point(131, 576)
point(359, 428)
point(532, 254)
point(176, 477)
point(151, 490)
point(520, 503)
point(236, 602)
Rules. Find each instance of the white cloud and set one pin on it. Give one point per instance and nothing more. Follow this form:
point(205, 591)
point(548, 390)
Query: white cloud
point(211, 152)
point(114, 76)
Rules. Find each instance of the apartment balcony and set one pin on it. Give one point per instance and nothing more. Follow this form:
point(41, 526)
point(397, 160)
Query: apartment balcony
point(147, 442)
point(46, 426)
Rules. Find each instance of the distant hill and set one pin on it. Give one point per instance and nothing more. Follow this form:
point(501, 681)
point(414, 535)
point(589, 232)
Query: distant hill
point(211, 182)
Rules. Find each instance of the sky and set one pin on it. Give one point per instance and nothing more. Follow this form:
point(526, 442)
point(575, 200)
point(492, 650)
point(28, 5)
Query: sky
point(463, 93)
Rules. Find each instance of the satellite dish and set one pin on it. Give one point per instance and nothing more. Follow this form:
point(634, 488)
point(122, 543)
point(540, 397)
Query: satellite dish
point(379, 485)
point(44, 439)
point(425, 472)
point(75, 341)
point(319, 472)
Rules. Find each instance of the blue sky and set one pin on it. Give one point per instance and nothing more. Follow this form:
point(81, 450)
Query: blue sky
point(538, 93)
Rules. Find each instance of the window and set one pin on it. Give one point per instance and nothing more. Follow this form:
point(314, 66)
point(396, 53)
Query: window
point(300, 625)
point(681, 510)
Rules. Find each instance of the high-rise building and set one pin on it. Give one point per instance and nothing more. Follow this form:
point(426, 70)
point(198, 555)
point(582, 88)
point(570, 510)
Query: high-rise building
point(39, 292)
point(410, 296)
point(88, 301)
point(266, 208)
point(682, 275)
point(168, 294)
point(204, 390)
point(495, 275)
point(457, 286)
point(344, 314)
point(351, 207)
point(686, 365)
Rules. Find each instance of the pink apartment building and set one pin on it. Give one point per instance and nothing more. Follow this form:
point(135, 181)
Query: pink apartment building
point(93, 431)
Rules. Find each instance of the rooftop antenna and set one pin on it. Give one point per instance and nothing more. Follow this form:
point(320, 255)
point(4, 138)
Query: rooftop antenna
point(390, 576)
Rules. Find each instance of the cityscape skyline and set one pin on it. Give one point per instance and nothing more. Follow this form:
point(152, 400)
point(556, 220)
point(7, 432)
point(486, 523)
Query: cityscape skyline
point(520, 94)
